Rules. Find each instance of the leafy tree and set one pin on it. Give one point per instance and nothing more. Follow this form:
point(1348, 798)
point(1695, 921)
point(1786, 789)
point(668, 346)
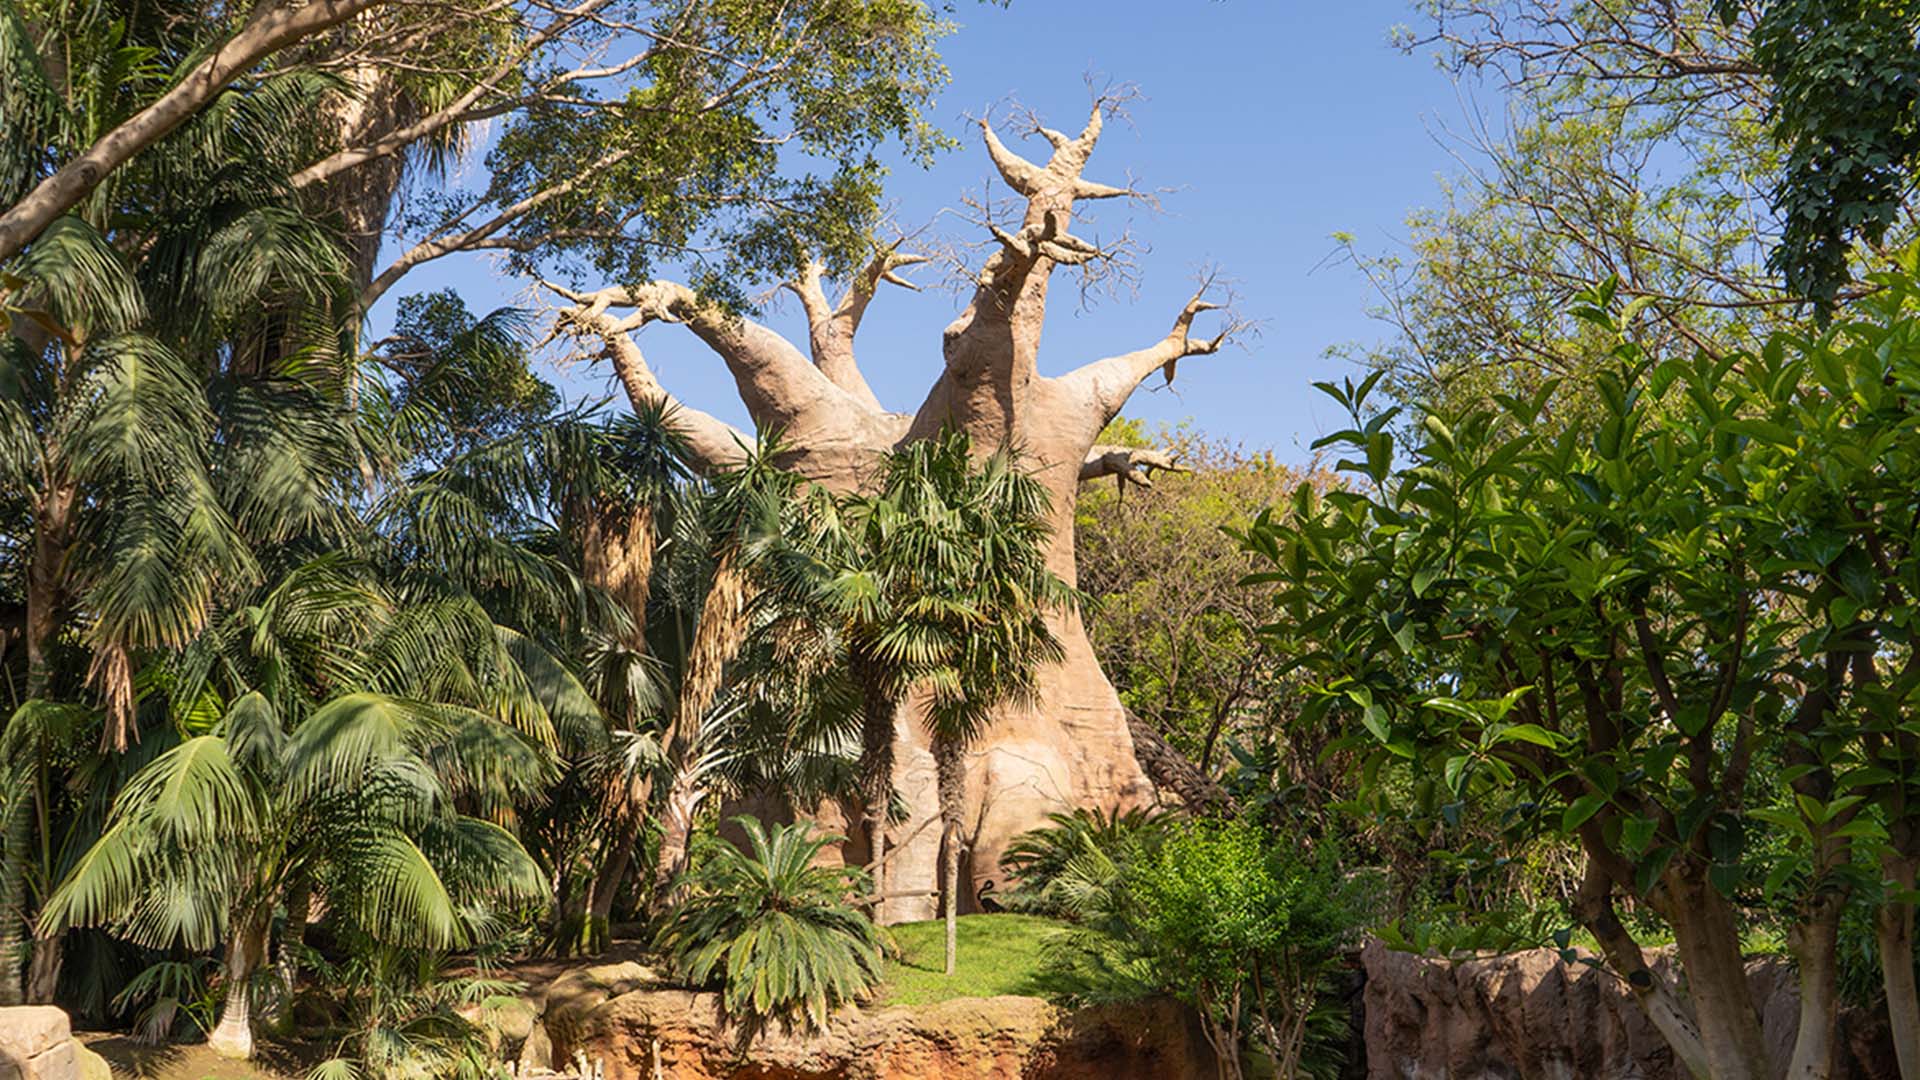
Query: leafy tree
point(1630, 623)
point(774, 929)
point(1244, 929)
point(204, 841)
point(1165, 610)
point(1845, 78)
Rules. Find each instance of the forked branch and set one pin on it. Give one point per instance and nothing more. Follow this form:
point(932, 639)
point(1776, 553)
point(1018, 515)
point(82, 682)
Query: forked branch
point(1109, 383)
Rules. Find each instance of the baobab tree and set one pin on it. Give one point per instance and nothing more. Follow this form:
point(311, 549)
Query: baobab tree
point(1072, 746)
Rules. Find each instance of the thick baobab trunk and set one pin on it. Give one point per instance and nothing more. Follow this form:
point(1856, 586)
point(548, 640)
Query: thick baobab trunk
point(233, 1036)
point(1072, 746)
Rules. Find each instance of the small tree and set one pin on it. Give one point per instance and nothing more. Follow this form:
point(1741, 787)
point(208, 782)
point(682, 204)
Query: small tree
point(1243, 931)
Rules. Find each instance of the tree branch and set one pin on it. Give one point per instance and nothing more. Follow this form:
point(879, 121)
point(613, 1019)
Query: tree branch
point(1127, 465)
point(714, 442)
point(831, 327)
point(270, 29)
point(778, 385)
point(1108, 383)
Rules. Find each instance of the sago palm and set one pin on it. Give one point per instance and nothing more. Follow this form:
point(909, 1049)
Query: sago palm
point(774, 930)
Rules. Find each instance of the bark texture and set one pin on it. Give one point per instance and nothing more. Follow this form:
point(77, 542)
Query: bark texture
point(1072, 747)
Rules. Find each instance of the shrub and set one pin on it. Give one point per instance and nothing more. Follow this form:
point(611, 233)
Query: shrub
point(1067, 869)
point(778, 935)
point(1246, 932)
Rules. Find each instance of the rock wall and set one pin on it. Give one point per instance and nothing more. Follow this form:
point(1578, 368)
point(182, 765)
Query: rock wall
point(653, 1033)
point(37, 1043)
point(1528, 1015)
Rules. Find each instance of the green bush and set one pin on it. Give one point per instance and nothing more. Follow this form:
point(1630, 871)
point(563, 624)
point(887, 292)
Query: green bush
point(777, 934)
point(1246, 931)
point(1067, 869)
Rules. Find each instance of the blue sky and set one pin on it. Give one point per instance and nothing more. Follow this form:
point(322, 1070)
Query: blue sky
point(1278, 122)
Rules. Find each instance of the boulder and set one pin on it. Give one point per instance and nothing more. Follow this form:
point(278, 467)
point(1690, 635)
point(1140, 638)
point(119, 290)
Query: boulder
point(662, 1034)
point(36, 1043)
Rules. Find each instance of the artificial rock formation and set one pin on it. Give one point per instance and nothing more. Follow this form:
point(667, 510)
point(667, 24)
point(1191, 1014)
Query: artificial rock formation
point(1072, 746)
point(1530, 1016)
point(682, 1035)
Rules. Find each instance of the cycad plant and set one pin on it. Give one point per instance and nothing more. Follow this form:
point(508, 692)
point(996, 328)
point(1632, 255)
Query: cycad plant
point(774, 930)
point(361, 797)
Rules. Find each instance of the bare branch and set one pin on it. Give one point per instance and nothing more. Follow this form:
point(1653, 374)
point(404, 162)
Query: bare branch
point(1108, 383)
point(714, 442)
point(1127, 465)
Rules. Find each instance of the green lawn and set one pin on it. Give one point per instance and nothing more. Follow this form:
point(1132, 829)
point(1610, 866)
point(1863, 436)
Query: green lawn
point(999, 954)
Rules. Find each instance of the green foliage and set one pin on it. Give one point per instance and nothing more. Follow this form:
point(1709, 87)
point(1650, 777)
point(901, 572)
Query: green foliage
point(1165, 611)
point(777, 934)
point(1245, 929)
point(1679, 635)
point(1070, 868)
point(1846, 110)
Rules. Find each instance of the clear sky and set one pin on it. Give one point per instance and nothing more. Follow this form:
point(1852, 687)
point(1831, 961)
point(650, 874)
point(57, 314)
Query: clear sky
point(1277, 122)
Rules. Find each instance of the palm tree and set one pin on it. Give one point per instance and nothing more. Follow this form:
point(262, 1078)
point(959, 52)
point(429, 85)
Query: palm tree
point(362, 795)
point(941, 581)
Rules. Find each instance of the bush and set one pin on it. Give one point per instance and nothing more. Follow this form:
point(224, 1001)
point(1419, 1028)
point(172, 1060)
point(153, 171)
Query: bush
point(1067, 869)
point(777, 934)
point(1246, 932)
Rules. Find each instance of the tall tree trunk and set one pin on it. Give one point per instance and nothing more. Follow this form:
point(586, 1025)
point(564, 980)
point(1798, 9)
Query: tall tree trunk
point(233, 1036)
point(717, 639)
point(52, 534)
point(1893, 932)
point(876, 777)
point(606, 887)
point(949, 757)
point(1709, 946)
point(683, 801)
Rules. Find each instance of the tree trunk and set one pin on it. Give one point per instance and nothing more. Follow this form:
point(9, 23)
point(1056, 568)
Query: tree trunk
point(676, 830)
point(876, 778)
point(43, 976)
point(293, 933)
point(1815, 943)
point(1709, 947)
point(52, 533)
point(949, 756)
point(1893, 931)
point(233, 1036)
point(1593, 907)
point(606, 887)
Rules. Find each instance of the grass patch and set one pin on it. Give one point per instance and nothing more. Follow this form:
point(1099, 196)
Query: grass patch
point(998, 954)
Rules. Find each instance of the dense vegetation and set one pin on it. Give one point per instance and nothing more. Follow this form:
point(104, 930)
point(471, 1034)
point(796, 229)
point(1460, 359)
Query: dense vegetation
point(345, 670)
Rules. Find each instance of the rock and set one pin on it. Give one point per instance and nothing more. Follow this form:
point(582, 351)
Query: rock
point(36, 1043)
point(576, 994)
point(1529, 1014)
point(681, 1035)
point(91, 1065)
